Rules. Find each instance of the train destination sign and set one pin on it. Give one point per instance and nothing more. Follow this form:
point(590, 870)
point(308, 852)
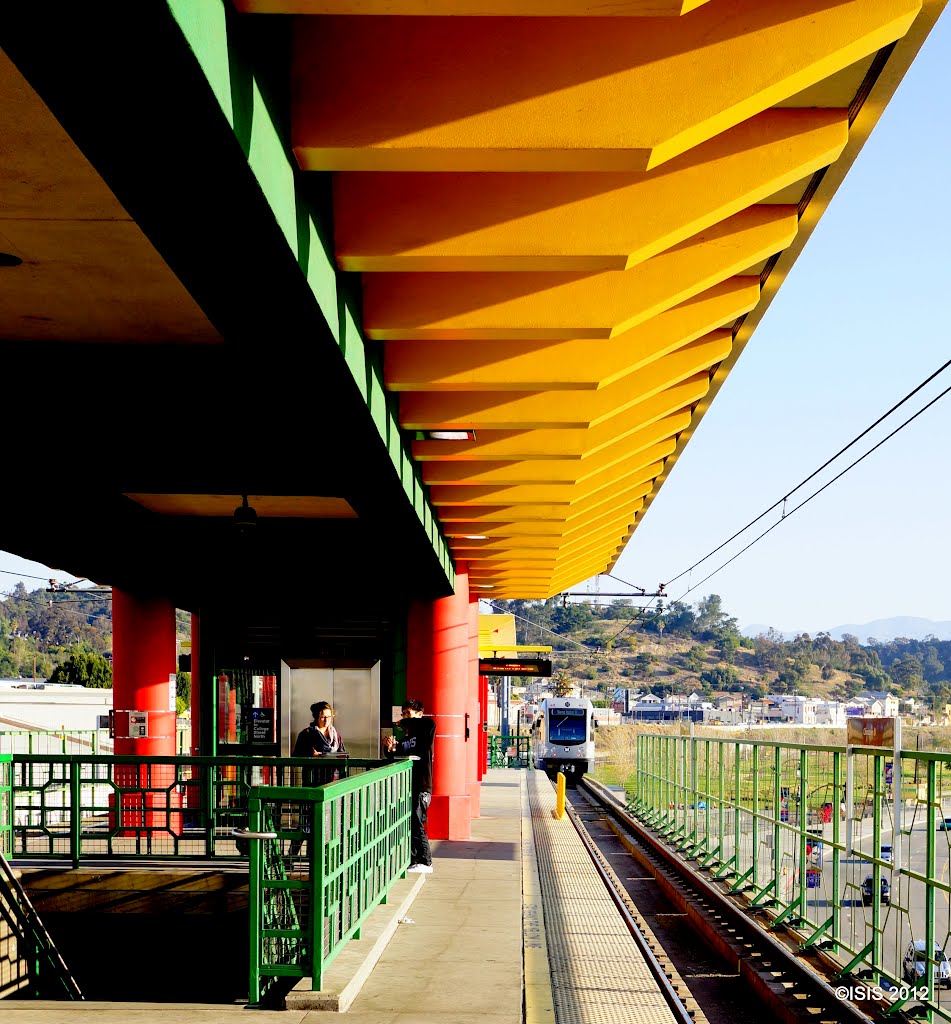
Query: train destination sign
point(514, 667)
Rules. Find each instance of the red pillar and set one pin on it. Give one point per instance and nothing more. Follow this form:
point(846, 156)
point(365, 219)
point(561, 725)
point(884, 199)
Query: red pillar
point(196, 688)
point(437, 657)
point(483, 718)
point(473, 719)
point(143, 657)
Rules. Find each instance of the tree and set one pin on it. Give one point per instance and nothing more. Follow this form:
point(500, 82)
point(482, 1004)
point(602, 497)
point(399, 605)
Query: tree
point(183, 692)
point(729, 645)
point(571, 617)
point(562, 685)
point(712, 621)
point(695, 657)
point(84, 668)
point(644, 663)
point(680, 619)
point(907, 672)
point(723, 677)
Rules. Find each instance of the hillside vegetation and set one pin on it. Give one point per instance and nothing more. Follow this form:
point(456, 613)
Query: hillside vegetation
point(683, 649)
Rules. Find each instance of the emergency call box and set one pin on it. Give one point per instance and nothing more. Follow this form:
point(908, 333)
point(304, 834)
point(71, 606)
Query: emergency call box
point(138, 724)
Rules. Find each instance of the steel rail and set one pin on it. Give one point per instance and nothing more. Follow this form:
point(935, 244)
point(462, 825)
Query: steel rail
point(733, 915)
point(607, 876)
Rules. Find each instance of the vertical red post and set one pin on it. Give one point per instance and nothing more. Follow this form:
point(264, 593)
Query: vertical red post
point(437, 658)
point(483, 718)
point(196, 687)
point(143, 658)
point(473, 720)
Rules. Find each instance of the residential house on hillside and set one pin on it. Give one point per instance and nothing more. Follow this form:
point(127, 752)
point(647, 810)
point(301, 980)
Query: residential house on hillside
point(767, 709)
point(798, 710)
point(888, 701)
point(830, 713)
point(865, 708)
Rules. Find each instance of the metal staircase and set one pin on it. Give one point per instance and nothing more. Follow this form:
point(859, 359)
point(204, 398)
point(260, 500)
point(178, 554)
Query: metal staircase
point(47, 976)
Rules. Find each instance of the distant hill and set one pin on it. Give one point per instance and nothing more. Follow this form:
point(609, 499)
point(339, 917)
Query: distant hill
point(906, 626)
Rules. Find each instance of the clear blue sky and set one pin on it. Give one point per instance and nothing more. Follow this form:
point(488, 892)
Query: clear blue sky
point(859, 322)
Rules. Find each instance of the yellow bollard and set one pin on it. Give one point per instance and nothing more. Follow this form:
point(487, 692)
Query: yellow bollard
point(559, 811)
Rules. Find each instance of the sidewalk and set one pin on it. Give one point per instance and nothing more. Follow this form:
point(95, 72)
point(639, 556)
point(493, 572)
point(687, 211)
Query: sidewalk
point(456, 957)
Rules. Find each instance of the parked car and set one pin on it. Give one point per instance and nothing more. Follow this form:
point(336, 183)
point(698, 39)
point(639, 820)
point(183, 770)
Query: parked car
point(868, 887)
point(915, 962)
point(886, 853)
point(944, 824)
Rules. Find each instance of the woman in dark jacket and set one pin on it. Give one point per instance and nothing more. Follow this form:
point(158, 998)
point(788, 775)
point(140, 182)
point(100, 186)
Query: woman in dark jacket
point(319, 739)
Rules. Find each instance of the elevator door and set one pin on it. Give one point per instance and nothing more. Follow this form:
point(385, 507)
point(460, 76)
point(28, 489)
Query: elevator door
point(354, 693)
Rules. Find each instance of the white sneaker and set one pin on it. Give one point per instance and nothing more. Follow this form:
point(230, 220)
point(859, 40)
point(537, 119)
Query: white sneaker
point(420, 869)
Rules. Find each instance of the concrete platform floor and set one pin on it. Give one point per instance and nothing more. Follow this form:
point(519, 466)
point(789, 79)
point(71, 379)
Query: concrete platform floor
point(456, 956)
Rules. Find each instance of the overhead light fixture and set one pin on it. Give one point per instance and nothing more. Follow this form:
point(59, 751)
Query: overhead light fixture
point(473, 536)
point(483, 586)
point(245, 516)
point(450, 435)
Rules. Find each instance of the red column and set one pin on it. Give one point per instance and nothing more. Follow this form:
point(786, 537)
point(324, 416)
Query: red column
point(483, 718)
point(437, 656)
point(473, 720)
point(196, 688)
point(143, 657)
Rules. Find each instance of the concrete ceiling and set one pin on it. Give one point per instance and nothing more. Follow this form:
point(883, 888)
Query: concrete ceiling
point(552, 226)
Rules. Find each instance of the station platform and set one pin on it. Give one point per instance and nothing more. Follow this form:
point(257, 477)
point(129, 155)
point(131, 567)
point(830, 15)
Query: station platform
point(512, 927)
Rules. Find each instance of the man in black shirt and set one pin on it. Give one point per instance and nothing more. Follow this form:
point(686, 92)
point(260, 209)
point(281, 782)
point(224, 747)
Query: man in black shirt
point(419, 734)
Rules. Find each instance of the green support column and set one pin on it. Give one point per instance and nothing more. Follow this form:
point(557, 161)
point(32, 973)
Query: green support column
point(930, 851)
point(755, 804)
point(803, 819)
point(777, 823)
point(720, 798)
point(736, 807)
point(836, 853)
point(876, 860)
point(706, 798)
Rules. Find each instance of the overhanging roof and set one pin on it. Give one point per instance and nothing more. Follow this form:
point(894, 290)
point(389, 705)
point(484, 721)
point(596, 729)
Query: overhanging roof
point(549, 225)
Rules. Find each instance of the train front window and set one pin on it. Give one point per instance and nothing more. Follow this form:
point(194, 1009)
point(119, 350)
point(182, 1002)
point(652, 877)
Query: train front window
point(566, 725)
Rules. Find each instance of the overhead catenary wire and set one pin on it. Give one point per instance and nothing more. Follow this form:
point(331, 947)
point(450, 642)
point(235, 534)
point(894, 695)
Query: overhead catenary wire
point(788, 513)
point(538, 626)
point(25, 575)
point(781, 501)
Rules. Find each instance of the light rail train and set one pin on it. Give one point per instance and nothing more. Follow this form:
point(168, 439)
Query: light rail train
point(562, 738)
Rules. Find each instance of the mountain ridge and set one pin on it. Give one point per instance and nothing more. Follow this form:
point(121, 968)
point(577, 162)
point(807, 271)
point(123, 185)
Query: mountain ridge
point(909, 627)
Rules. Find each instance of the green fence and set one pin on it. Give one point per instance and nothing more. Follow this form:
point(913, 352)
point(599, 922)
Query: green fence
point(73, 741)
point(850, 846)
point(359, 832)
point(6, 804)
point(51, 741)
point(74, 808)
point(509, 752)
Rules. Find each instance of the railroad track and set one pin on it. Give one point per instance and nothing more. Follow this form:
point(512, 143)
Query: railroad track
point(721, 962)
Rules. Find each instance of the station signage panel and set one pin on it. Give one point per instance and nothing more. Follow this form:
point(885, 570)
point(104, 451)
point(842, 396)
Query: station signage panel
point(514, 667)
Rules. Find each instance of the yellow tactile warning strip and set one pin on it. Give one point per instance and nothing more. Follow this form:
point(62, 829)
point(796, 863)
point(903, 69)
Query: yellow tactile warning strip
point(598, 975)
point(539, 1003)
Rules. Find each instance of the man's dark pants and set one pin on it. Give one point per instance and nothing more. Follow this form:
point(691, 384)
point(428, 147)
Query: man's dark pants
point(420, 852)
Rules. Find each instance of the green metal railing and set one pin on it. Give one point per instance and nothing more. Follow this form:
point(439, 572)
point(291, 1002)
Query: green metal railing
point(71, 741)
point(359, 846)
point(798, 829)
point(72, 808)
point(50, 741)
point(6, 804)
point(509, 752)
